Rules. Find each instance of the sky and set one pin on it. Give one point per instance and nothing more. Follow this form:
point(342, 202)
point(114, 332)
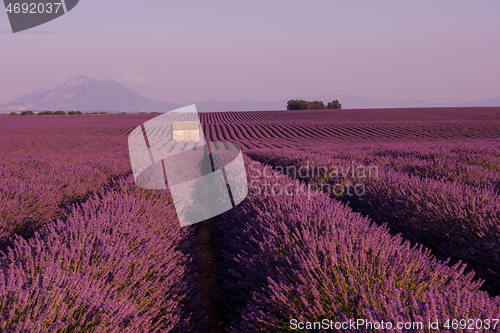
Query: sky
point(263, 50)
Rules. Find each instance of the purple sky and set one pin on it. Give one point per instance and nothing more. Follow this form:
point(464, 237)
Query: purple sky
point(264, 50)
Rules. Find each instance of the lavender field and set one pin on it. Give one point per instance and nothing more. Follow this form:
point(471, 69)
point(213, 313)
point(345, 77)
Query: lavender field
point(380, 216)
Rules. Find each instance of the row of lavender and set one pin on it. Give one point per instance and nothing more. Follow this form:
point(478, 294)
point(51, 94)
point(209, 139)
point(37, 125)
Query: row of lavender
point(35, 188)
point(286, 259)
point(475, 163)
point(119, 262)
point(444, 197)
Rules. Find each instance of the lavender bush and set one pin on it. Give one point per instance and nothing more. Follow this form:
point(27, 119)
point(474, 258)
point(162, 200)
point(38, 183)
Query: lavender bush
point(117, 263)
point(453, 218)
point(284, 257)
point(34, 189)
point(471, 163)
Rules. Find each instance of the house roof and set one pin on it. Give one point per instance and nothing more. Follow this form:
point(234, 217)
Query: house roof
point(184, 125)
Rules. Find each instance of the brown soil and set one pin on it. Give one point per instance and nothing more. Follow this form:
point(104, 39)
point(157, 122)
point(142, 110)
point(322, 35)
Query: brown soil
point(208, 281)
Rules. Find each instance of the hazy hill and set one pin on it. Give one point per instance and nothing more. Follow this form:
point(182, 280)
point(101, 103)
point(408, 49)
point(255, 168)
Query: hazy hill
point(85, 94)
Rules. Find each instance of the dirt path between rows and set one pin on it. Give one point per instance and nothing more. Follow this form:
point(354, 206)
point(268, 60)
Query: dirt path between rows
point(208, 280)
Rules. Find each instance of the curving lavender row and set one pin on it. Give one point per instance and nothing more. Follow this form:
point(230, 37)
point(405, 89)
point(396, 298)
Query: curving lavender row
point(311, 258)
point(474, 163)
point(449, 170)
point(119, 262)
point(35, 188)
point(453, 219)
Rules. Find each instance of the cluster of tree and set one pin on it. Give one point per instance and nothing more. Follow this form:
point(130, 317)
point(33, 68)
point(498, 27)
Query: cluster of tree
point(47, 113)
point(59, 113)
point(295, 104)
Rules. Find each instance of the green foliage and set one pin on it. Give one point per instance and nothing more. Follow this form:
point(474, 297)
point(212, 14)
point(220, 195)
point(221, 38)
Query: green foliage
point(317, 105)
point(334, 105)
point(295, 104)
point(13, 114)
point(59, 113)
point(27, 113)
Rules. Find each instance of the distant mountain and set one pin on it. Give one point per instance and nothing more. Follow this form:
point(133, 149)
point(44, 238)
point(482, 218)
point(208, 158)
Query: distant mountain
point(214, 106)
point(353, 102)
point(348, 102)
point(488, 102)
point(85, 94)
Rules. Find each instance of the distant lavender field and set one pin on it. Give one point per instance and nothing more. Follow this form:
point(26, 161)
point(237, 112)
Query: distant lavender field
point(84, 250)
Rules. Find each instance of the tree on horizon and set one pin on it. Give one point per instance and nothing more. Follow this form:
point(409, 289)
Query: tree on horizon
point(334, 105)
point(295, 104)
